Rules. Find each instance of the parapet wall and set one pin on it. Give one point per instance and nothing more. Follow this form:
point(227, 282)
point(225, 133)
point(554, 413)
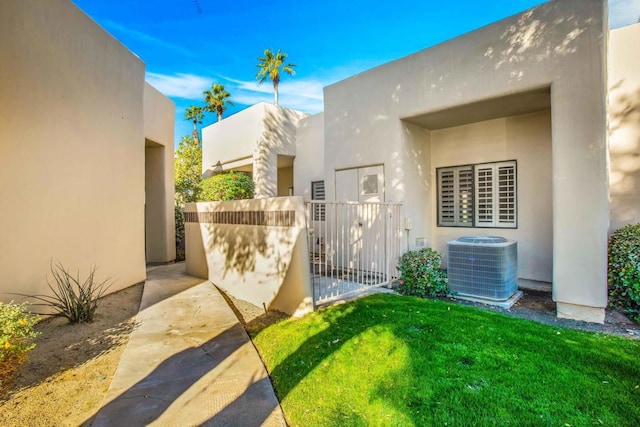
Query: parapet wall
point(255, 250)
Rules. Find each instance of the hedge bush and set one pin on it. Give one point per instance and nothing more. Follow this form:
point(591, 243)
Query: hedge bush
point(16, 340)
point(179, 217)
point(624, 269)
point(227, 186)
point(421, 275)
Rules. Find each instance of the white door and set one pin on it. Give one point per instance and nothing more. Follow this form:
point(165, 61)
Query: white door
point(361, 222)
point(371, 184)
point(360, 184)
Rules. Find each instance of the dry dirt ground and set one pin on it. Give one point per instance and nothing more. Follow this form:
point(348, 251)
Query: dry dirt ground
point(70, 369)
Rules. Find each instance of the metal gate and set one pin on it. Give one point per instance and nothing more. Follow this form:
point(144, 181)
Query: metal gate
point(353, 246)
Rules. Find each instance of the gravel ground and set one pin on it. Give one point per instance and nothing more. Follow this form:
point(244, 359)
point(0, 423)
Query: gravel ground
point(534, 305)
point(539, 307)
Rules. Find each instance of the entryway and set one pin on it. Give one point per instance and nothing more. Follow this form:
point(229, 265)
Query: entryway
point(353, 246)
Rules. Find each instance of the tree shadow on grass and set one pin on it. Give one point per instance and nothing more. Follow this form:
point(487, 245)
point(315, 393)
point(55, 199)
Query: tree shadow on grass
point(453, 362)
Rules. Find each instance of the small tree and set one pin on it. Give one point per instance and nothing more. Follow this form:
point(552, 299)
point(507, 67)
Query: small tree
point(270, 65)
point(195, 114)
point(227, 186)
point(16, 340)
point(420, 274)
point(188, 170)
point(217, 100)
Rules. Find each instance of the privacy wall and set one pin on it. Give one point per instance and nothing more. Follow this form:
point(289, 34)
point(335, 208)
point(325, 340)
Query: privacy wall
point(255, 250)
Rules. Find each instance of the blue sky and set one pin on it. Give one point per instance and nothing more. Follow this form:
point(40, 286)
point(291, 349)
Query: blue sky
point(189, 44)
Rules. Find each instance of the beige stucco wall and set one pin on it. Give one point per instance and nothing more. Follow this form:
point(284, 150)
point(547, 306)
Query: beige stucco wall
point(72, 148)
point(561, 44)
point(308, 165)
point(526, 139)
point(285, 181)
point(159, 179)
point(624, 125)
point(254, 136)
point(261, 264)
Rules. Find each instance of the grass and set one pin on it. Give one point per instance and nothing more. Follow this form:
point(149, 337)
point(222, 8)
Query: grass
point(392, 360)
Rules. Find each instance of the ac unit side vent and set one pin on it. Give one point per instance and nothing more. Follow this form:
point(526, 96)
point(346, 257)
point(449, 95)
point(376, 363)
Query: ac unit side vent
point(481, 266)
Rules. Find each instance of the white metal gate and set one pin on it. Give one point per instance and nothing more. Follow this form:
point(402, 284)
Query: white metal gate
point(353, 246)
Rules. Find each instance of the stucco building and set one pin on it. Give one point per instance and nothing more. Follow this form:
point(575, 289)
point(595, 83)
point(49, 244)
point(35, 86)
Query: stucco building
point(86, 152)
point(527, 128)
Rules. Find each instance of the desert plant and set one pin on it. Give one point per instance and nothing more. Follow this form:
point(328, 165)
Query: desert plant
point(624, 269)
point(72, 299)
point(226, 186)
point(16, 340)
point(421, 275)
point(179, 216)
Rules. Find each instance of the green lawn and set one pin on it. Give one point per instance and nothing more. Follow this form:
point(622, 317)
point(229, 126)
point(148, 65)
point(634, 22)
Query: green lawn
point(393, 360)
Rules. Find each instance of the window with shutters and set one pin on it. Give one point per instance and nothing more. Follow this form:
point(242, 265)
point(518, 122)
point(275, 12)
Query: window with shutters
point(481, 195)
point(317, 193)
point(455, 195)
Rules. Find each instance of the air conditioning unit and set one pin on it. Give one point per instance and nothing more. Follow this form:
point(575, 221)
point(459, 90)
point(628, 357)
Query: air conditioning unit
point(484, 267)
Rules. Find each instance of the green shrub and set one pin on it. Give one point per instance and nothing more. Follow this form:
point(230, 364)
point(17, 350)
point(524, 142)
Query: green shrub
point(624, 269)
point(227, 186)
point(76, 301)
point(16, 340)
point(421, 275)
point(179, 216)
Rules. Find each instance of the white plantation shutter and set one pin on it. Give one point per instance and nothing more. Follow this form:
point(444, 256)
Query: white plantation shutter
point(317, 193)
point(496, 195)
point(484, 195)
point(446, 190)
point(507, 194)
point(455, 195)
point(465, 197)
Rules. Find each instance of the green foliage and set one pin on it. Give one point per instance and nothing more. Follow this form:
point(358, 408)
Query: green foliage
point(624, 269)
point(194, 114)
point(405, 361)
point(227, 186)
point(188, 170)
point(421, 275)
point(270, 65)
point(75, 300)
point(217, 100)
point(179, 217)
point(16, 339)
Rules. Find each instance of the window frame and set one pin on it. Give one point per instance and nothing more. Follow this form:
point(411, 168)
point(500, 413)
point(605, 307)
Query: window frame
point(495, 194)
point(319, 212)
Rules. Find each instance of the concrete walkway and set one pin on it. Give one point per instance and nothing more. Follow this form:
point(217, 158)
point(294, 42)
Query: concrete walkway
point(188, 362)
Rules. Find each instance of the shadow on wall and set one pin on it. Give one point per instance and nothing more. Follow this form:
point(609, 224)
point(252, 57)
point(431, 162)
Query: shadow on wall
point(243, 245)
point(253, 249)
point(278, 138)
point(624, 134)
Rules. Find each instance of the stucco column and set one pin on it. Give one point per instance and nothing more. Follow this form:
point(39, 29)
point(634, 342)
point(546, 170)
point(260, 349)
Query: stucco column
point(265, 170)
point(580, 188)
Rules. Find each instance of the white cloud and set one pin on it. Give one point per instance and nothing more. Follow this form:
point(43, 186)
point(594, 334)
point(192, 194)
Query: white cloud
point(299, 94)
point(304, 94)
point(623, 12)
point(180, 85)
point(146, 38)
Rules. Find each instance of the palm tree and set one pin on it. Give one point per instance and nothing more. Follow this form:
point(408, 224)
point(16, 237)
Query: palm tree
point(217, 99)
point(270, 66)
point(195, 114)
